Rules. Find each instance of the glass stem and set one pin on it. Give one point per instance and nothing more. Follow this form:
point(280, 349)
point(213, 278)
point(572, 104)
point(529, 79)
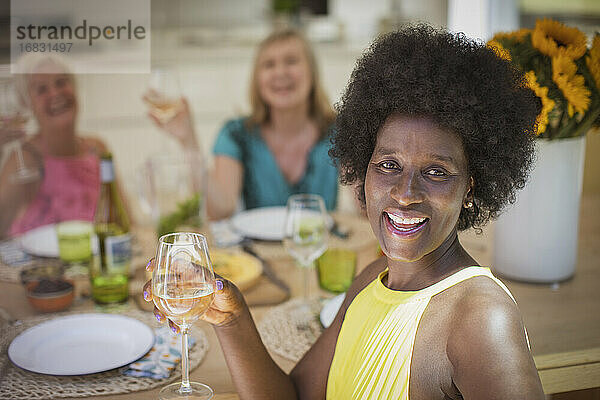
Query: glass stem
point(185, 372)
point(306, 275)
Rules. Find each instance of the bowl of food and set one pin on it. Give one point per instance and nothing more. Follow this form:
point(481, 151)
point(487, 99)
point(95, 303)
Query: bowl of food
point(50, 294)
point(47, 289)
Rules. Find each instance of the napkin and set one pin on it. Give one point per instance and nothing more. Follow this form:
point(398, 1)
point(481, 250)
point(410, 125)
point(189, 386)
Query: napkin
point(162, 359)
point(12, 254)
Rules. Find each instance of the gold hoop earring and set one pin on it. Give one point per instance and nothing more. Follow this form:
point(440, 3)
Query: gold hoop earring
point(468, 204)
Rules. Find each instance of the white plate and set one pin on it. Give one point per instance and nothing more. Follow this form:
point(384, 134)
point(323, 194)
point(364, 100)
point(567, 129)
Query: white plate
point(41, 241)
point(266, 223)
point(330, 309)
point(81, 344)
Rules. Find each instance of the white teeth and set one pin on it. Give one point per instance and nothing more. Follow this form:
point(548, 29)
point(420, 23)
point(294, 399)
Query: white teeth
point(58, 106)
point(405, 221)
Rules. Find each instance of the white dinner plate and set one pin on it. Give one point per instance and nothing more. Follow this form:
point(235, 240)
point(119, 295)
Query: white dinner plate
point(81, 344)
point(265, 223)
point(330, 309)
point(41, 241)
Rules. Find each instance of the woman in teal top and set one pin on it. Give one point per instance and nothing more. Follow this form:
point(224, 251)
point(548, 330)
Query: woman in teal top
point(281, 148)
point(264, 182)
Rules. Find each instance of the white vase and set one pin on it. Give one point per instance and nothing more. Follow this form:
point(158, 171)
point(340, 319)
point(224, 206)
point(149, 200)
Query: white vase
point(535, 239)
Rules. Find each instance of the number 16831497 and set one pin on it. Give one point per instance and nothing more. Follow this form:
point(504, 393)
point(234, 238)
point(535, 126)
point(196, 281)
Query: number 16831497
point(45, 47)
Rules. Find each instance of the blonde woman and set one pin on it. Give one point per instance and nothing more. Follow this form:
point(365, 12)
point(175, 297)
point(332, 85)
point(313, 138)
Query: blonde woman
point(281, 147)
point(68, 162)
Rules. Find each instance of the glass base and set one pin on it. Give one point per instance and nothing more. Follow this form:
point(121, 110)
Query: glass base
point(199, 391)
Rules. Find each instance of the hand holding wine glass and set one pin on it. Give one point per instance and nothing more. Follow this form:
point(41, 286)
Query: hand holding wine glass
point(164, 94)
point(13, 118)
point(168, 108)
point(305, 232)
point(183, 286)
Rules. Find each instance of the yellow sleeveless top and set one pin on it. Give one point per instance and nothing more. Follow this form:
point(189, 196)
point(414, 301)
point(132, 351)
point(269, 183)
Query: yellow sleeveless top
point(374, 348)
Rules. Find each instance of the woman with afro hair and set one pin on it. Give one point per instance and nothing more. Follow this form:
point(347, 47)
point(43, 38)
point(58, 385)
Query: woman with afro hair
point(436, 133)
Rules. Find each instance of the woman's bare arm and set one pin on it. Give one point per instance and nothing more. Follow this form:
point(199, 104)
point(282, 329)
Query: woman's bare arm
point(224, 187)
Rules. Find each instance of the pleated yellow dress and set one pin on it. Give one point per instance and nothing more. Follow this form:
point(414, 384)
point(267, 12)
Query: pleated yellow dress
point(374, 348)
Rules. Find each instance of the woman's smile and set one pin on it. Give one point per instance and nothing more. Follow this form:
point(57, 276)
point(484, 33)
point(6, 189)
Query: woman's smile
point(404, 225)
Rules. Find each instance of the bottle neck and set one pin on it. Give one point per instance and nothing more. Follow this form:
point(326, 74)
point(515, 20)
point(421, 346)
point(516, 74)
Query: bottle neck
point(107, 174)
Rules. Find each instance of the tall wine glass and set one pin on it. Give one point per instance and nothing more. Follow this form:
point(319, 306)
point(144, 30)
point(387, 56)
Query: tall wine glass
point(183, 289)
point(306, 233)
point(164, 94)
point(13, 117)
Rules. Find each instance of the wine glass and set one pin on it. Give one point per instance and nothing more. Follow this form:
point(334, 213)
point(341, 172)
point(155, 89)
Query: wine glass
point(13, 117)
point(306, 233)
point(164, 94)
point(183, 289)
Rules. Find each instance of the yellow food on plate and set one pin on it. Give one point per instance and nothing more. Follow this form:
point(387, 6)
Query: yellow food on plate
point(240, 268)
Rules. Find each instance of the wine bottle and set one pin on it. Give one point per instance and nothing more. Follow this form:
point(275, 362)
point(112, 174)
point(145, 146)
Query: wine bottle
point(110, 271)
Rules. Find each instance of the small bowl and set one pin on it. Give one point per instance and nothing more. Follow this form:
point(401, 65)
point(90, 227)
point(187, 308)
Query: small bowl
point(50, 295)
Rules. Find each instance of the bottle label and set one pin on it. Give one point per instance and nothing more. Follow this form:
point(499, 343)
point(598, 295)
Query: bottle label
point(107, 173)
point(118, 252)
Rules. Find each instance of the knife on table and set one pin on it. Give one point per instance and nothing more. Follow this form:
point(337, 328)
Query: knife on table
point(268, 271)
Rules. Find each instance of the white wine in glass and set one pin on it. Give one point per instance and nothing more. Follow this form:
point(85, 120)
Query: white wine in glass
point(183, 289)
point(164, 94)
point(305, 232)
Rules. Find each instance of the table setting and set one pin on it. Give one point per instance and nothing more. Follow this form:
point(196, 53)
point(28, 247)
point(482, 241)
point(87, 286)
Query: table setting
point(78, 348)
point(258, 263)
point(551, 353)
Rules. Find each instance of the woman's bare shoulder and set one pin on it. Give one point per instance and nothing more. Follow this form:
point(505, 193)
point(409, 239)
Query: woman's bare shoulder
point(485, 324)
point(479, 302)
point(487, 344)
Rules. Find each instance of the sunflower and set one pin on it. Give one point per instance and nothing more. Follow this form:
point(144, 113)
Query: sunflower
point(553, 38)
point(593, 60)
point(572, 85)
point(517, 36)
point(499, 50)
point(547, 102)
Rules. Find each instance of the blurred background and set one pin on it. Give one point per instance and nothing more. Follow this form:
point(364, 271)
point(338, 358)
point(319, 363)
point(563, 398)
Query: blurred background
point(211, 45)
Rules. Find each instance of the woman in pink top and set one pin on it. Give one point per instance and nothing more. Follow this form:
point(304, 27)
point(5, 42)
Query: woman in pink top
point(68, 163)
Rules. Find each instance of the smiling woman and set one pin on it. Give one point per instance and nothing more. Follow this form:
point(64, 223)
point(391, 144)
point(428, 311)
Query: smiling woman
point(280, 149)
point(68, 163)
point(436, 132)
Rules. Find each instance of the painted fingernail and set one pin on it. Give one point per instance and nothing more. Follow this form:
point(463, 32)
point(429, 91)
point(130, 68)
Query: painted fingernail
point(219, 285)
point(148, 265)
point(146, 295)
point(174, 329)
point(158, 317)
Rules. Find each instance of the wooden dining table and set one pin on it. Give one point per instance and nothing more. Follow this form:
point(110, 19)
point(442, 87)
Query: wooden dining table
point(563, 320)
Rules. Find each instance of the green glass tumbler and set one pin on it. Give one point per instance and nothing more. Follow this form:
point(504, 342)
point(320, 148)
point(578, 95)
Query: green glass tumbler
point(336, 268)
point(74, 241)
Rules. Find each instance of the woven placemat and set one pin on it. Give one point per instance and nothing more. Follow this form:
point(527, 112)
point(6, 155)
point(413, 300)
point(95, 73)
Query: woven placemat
point(291, 328)
point(16, 383)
